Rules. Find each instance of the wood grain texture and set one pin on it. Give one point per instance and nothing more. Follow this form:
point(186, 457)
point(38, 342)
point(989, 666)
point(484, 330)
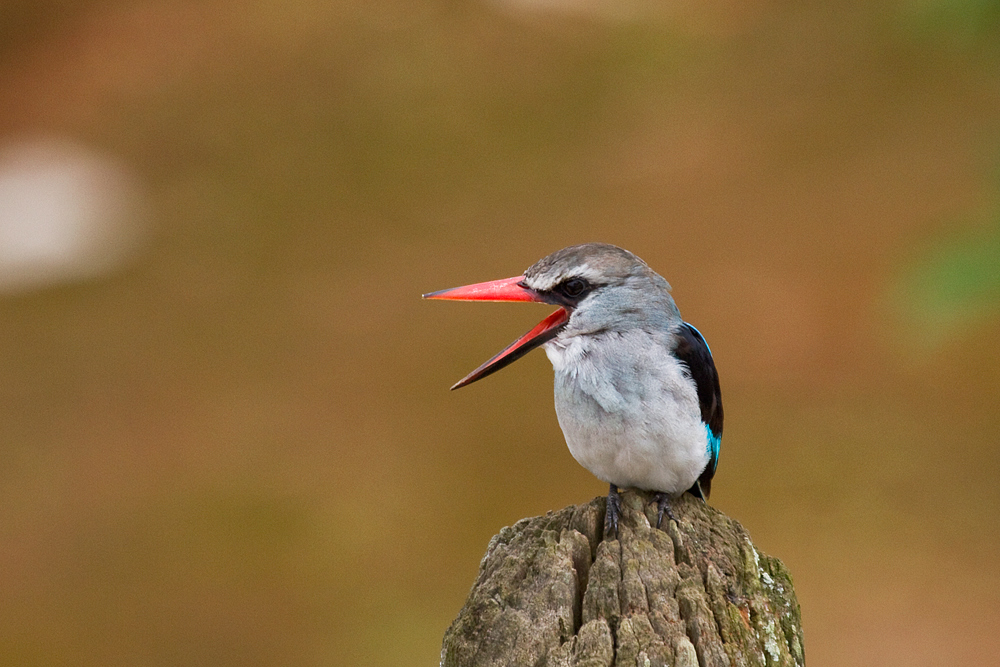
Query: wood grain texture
point(551, 592)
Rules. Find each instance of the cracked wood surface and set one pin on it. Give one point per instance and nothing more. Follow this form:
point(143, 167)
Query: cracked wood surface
point(551, 592)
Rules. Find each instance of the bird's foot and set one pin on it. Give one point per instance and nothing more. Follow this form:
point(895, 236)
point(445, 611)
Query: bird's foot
point(612, 514)
point(663, 507)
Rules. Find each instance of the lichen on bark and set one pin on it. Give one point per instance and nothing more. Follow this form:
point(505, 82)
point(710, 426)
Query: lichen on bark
point(551, 592)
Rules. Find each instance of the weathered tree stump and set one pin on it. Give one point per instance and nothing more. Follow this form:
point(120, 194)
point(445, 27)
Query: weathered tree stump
point(551, 592)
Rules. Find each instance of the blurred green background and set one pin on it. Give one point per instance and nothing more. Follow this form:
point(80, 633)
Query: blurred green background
point(233, 442)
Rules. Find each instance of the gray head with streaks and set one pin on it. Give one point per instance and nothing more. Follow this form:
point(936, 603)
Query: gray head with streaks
point(605, 288)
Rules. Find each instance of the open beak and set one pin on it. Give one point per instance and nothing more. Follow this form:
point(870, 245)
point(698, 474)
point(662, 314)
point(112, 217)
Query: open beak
point(508, 289)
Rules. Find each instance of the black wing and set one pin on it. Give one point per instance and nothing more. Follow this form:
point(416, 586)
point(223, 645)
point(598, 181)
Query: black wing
point(694, 352)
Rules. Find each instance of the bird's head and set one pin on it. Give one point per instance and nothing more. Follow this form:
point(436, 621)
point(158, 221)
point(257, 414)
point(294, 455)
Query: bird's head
point(598, 288)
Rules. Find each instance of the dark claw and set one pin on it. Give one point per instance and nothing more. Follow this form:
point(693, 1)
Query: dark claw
point(663, 507)
point(613, 512)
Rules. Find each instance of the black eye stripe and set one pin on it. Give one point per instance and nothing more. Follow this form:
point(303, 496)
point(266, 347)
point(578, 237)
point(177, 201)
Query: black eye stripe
point(573, 288)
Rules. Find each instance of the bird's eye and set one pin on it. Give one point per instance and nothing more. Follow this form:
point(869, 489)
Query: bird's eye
point(574, 287)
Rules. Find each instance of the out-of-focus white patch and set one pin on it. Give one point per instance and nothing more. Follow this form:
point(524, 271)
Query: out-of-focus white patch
point(66, 214)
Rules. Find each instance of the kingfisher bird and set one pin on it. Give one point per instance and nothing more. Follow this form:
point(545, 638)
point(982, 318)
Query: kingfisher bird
point(636, 389)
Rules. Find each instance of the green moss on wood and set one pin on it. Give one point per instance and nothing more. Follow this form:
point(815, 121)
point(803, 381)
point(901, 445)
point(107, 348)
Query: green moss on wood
point(552, 593)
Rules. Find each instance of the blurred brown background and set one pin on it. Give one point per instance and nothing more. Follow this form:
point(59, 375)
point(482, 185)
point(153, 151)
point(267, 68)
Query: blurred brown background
point(227, 437)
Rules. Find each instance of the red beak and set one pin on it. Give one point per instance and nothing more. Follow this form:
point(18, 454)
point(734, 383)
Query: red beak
point(508, 289)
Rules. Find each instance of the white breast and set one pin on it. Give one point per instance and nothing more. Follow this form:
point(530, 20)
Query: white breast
point(629, 411)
